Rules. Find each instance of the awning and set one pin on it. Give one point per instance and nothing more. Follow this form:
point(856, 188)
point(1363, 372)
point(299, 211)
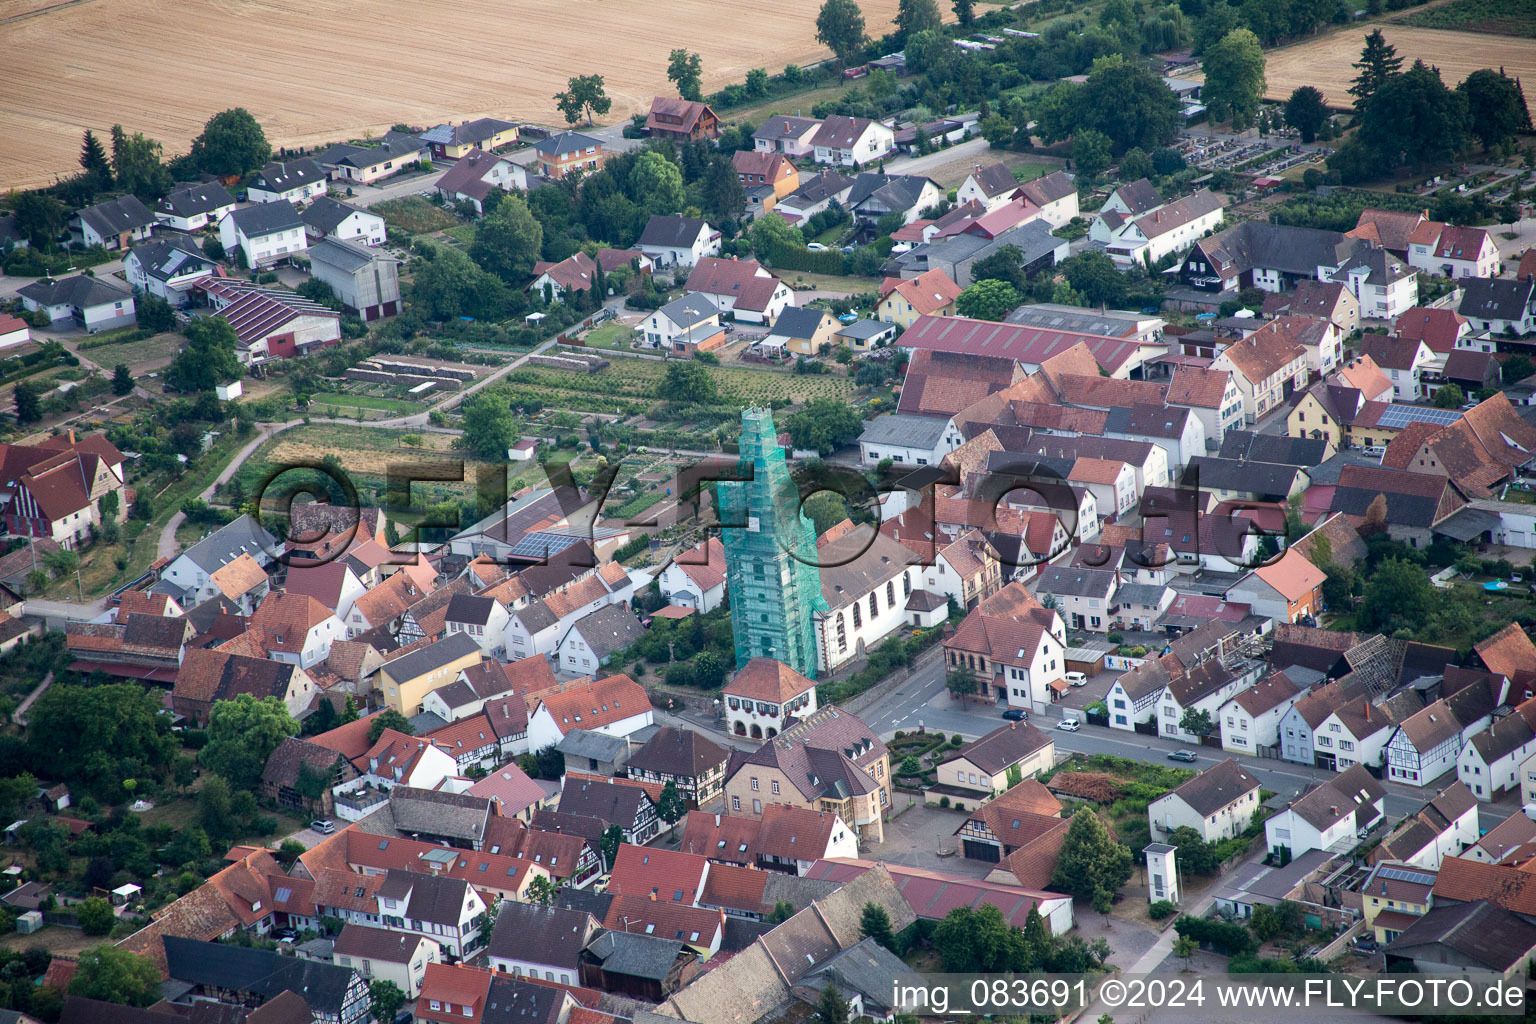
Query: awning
point(1467, 524)
point(1060, 685)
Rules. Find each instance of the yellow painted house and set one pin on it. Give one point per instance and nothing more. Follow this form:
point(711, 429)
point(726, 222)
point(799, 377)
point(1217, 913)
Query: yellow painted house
point(408, 679)
point(902, 301)
point(456, 140)
point(1393, 896)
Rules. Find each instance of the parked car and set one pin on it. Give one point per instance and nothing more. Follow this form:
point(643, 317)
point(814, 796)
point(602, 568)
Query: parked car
point(1016, 715)
point(815, 247)
point(1077, 679)
point(324, 826)
point(1187, 756)
point(1365, 944)
point(1069, 725)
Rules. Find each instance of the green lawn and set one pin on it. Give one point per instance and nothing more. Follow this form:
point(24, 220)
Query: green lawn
point(610, 335)
point(797, 103)
point(415, 214)
point(133, 353)
point(463, 233)
point(638, 379)
point(394, 405)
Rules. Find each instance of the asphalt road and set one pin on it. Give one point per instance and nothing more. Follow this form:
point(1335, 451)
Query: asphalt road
point(924, 701)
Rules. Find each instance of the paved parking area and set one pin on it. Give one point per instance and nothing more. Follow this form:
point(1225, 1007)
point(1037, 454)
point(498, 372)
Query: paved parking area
point(915, 838)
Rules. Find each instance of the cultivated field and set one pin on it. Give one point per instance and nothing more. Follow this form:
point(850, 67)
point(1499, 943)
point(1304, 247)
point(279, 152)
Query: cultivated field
point(321, 70)
point(1326, 62)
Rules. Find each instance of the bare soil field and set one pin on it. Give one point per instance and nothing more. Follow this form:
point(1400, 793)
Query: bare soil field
point(325, 70)
point(1326, 62)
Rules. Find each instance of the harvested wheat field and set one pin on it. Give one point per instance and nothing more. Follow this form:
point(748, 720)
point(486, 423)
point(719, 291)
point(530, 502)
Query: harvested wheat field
point(314, 71)
point(1326, 62)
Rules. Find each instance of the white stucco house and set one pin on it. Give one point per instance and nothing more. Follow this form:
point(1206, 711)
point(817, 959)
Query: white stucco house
point(1329, 816)
point(1218, 803)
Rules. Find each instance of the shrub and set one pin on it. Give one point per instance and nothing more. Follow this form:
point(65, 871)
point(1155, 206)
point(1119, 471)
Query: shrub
point(943, 801)
point(1228, 939)
point(1161, 909)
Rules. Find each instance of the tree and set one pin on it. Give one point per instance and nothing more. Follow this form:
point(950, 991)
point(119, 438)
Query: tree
point(1136, 164)
point(1413, 119)
point(987, 299)
point(508, 241)
point(115, 975)
point(686, 70)
point(490, 428)
point(208, 359)
point(542, 892)
point(1197, 722)
point(917, 16)
point(95, 916)
point(1091, 152)
point(979, 940)
point(965, 11)
point(721, 194)
point(1516, 367)
point(688, 383)
point(875, 924)
point(1495, 105)
point(154, 314)
point(757, 82)
point(449, 284)
point(1093, 275)
point(1090, 860)
point(242, 733)
point(83, 732)
point(1184, 947)
point(670, 807)
point(1125, 102)
point(1378, 62)
point(1450, 396)
point(825, 509)
point(832, 1008)
point(1234, 78)
point(232, 143)
point(583, 97)
point(122, 380)
point(656, 183)
point(825, 424)
point(782, 911)
point(389, 718)
point(608, 844)
point(385, 998)
point(840, 28)
point(41, 217)
point(769, 233)
point(1397, 596)
point(1005, 264)
point(1306, 111)
point(136, 165)
point(29, 402)
point(93, 157)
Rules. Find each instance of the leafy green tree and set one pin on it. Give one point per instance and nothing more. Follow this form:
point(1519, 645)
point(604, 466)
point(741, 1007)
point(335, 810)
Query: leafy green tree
point(1197, 722)
point(385, 998)
point(232, 142)
point(1378, 62)
point(1136, 164)
point(1005, 264)
point(542, 892)
point(95, 916)
point(154, 314)
point(583, 97)
point(670, 807)
point(1234, 78)
point(122, 379)
point(508, 241)
point(610, 841)
point(1090, 860)
point(115, 975)
point(40, 217)
point(136, 165)
point(29, 401)
point(656, 183)
point(242, 733)
point(1414, 119)
point(93, 157)
point(875, 924)
point(490, 427)
point(757, 82)
point(965, 11)
point(83, 732)
point(840, 28)
point(832, 1007)
point(1516, 367)
point(721, 195)
point(979, 940)
point(825, 424)
point(782, 911)
point(1495, 105)
point(917, 16)
point(389, 718)
point(686, 71)
point(209, 357)
point(1125, 102)
point(1450, 396)
point(688, 383)
point(1397, 596)
point(1093, 275)
point(987, 299)
point(1184, 947)
point(1307, 111)
point(1091, 152)
point(825, 509)
point(449, 284)
point(768, 233)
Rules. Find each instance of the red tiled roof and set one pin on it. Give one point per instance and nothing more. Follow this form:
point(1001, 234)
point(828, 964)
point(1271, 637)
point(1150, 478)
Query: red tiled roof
point(665, 875)
point(1437, 328)
point(767, 680)
point(589, 704)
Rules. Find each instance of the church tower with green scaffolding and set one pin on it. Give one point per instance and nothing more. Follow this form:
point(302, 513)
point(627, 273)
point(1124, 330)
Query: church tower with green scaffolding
point(774, 594)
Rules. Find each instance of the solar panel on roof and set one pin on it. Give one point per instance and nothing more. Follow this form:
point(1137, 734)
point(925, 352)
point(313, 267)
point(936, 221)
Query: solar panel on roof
point(1398, 416)
point(1404, 875)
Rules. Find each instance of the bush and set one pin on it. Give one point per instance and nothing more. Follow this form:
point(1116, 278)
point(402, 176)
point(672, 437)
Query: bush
point(1161, 909)
point(1228, 939)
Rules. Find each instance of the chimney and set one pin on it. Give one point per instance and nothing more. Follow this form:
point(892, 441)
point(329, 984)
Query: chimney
point(717, 821)
point(71, 436)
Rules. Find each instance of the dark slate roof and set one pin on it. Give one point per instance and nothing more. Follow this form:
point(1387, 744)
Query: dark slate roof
point(283, 175)
point(1216, 787)
point(798, 322)
point(165, 258)
point(612, 627)
point(80, 291)
point(566, 142)
point(515, 1001)
point(116, 216)
point(1489, 936)
point(439, 813)
point(679, 752)
point(672, 232)
point(1075, 581)
point(190, 200)
point(1381, 266)
point(436, 655)
point(346, 255)
point(552, 935)
point(229, 542)
point(995, 179)
point(606, 801)
point(904, 430)
point(1002, 748)
point(434, 898)
point(1147, 420)
point(897, 191)
point(470, 609)
point(690, 309)
point(326, 214)
point(1490, 299)
point(1278, 246)
point(1274, 448)
point(822, 186)
point(635, 955)
point(1265, 478)
point(258, 971)
point(392, 145)
point(267, 219)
